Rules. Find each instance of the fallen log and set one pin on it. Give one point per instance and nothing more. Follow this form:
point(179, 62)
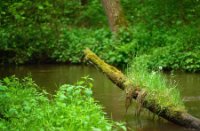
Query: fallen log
point(181, 118)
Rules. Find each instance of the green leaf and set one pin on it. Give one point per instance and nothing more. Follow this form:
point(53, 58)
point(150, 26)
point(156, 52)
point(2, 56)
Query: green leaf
point(40, 7)
point(3, 88)
point(88, 92)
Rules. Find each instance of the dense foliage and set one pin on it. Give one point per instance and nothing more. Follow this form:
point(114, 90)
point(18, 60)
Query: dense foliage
point(30, 30)
point(58, 31)
point(72, 108)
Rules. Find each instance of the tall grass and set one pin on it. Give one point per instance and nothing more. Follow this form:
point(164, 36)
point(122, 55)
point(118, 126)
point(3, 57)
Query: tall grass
point(158, 88)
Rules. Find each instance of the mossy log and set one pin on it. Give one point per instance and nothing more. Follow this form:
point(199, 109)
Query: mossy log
point(178, 117)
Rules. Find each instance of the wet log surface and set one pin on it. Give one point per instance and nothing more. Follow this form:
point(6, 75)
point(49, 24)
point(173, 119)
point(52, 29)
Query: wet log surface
point(181, 118)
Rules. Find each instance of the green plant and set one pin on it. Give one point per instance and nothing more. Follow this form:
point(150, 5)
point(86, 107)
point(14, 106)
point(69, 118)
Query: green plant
point(73, 108)
point(156, 86)
point(58, 31)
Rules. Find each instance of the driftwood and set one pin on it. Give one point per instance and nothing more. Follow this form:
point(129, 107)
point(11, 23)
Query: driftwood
point(181, 118)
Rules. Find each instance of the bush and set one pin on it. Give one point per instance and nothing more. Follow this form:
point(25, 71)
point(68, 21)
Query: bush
point(72, 108)
point(58, 31)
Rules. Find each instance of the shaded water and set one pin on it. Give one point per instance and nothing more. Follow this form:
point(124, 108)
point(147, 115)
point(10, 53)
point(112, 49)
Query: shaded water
point(49, 77)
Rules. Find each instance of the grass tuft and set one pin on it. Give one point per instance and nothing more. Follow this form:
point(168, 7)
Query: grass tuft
point(158, 88)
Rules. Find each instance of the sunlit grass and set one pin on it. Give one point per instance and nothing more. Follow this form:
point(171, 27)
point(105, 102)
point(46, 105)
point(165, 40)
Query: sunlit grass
point(158, 88)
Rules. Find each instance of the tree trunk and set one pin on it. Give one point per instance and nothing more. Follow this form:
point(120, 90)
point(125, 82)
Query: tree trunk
point(114, 14)
point(117, 77)
point(182, 11)
point(84, 2)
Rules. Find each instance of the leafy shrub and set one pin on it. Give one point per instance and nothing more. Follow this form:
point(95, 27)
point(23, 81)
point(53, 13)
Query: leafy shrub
point(72, 108)
point(29, 30)
point(58, 31)
point(181, 51)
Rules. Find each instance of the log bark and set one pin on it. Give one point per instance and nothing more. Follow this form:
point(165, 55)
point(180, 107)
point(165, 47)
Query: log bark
point(181, 118)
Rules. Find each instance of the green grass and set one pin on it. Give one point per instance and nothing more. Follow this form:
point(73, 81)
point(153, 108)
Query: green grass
point(159, 89)
point(72, 108)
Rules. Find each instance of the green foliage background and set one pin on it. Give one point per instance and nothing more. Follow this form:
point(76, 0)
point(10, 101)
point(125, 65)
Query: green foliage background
point(57, 31)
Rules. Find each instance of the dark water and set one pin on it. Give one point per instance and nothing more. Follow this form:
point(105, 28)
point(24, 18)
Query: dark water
point(49, 77)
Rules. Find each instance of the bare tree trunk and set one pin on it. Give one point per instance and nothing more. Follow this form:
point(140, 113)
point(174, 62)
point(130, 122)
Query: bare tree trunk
point(181, 11)
point(114, 14)
point(181, 118)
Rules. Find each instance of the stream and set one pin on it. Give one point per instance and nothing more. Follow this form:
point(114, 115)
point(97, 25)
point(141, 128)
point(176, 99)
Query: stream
point(50, 77)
